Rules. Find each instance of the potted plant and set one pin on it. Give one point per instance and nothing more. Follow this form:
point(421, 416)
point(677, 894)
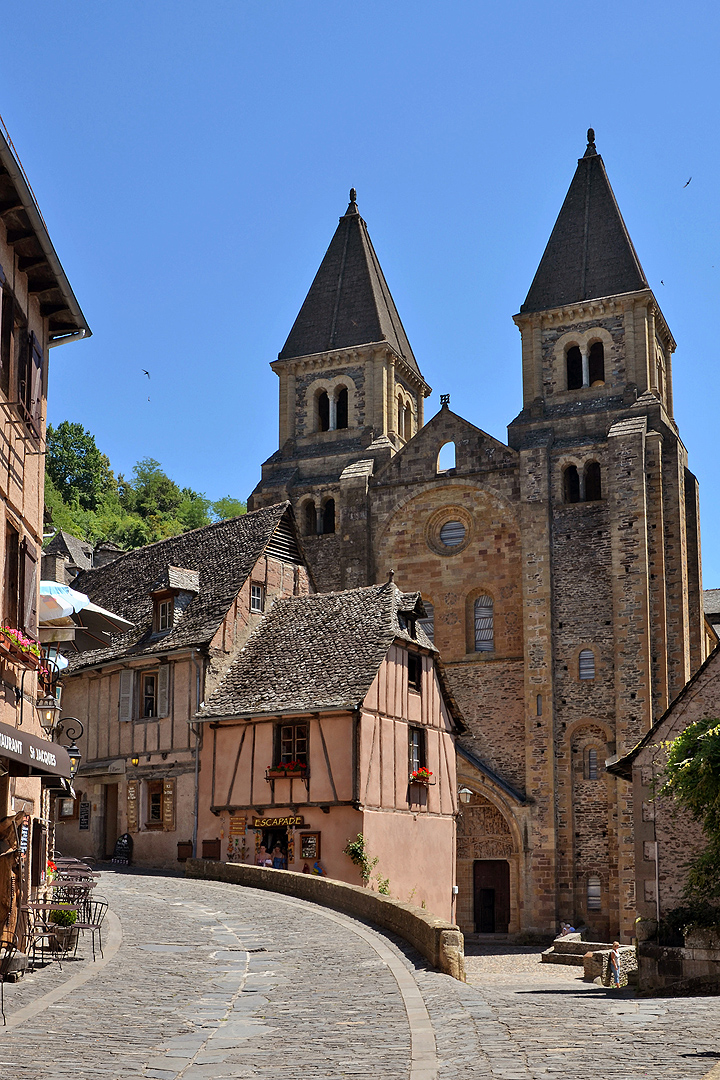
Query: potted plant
point(285, 769)
point(64, 930)
point(422, 776)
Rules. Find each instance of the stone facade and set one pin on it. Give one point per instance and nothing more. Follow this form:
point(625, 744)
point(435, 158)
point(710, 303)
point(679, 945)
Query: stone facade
point(563, 568)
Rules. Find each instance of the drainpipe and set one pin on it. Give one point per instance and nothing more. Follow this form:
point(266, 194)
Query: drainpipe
point(196, 730)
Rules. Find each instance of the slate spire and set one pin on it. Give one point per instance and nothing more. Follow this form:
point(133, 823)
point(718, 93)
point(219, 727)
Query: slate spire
point(589, 254)
point(349, 302)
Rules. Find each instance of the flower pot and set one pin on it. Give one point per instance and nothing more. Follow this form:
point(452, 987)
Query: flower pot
point(63, 939)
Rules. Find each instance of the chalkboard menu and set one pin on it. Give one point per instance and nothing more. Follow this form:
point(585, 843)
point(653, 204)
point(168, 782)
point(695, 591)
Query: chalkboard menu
point(84, 815)
point(24, 836)
point(123, 849)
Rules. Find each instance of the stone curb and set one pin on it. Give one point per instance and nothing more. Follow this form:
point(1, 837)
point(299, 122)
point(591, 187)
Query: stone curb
point(441, 943)
point(111, 945)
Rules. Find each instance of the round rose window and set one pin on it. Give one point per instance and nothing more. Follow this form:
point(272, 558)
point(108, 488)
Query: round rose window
point(452, 534)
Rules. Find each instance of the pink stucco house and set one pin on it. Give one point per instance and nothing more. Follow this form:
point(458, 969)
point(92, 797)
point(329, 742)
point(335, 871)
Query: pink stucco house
point(336, 719)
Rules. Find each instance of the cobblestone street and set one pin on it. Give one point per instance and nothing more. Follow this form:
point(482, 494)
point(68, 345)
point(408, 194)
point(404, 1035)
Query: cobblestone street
point(208, 980)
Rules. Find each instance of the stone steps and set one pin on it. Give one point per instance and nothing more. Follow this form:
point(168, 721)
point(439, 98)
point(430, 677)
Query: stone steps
point(569, 959)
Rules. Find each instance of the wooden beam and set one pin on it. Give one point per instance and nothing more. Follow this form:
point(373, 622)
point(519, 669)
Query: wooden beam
point(14, 236)
point(10, 208)
point(30, 262)
point(52, 309)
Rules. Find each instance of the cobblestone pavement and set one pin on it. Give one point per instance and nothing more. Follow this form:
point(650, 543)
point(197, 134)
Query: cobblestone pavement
point(213, 981)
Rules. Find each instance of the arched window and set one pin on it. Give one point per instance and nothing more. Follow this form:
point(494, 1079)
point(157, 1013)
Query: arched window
point(323, 409)
point(400, 414)
point(586, 664)
point(341, 408)
point(428, 623)
point(573, 360)
point(593, 488)
point(596, 363)
point(310, 518)
point(591, 763)
point(594, 894)
point(571, 485)
point(483, 618)
point(329, 516)
point(446, 457)
point(407, 432)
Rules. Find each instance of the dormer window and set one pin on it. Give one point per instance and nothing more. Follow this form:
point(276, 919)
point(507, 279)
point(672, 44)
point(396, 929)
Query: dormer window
point(257, 599)
point(165, 614)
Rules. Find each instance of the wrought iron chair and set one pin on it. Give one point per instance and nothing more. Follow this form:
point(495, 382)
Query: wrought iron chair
point(97, 908)
point(8, 951)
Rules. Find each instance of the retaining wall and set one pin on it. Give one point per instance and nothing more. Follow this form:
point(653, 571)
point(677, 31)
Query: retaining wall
point(441, 943)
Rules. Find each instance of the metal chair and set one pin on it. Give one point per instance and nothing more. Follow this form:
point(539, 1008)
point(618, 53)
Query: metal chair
point(8, 951)
point(97, 908)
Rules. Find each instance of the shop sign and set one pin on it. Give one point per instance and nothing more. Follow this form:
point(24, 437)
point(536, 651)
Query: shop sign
point(24, 835)
point(29, 752)
point(276, 822)
point(237, 826)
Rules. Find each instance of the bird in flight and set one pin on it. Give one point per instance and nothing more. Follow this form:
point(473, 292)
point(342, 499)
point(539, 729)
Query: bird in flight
point(685, 185)
point(146, 373)
point(661, 281)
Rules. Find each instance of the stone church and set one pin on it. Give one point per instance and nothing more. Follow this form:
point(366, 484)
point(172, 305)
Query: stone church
point(560, 571)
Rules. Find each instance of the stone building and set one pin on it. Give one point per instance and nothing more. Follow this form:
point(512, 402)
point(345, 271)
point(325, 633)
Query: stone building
point(561, 571)
point(336, 720)
point(193, 600)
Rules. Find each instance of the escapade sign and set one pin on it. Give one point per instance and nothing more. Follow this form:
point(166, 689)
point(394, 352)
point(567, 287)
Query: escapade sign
point(276, 822)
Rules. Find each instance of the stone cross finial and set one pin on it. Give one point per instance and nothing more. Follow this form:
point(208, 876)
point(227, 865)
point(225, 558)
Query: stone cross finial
point(391, 575)
point(444, 401)
point(353, 195)
point(591, 149)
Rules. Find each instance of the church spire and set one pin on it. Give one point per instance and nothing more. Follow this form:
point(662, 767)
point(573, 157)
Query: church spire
point(349, 302)
point(589, 254)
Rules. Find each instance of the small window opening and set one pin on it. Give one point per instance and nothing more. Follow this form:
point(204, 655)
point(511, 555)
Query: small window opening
point(165, 615)
point(257, 598)
point(292, 744)
point(594, 894)
point(587, 664)
point(323, 408)
point(596, 364)
point(591, 770)
point(574, 368)
point(329, 516)
point(400, 414)
point(414, 671)
point(593, 487)
point(428, 623)
point(446, 457)
point(310, 519)
point(660, 381)
point(483, 611)
point(149, 695)
point(408, 424)
point(341, 408)
point(416, 749)
point(571, 485)
point(538, 705)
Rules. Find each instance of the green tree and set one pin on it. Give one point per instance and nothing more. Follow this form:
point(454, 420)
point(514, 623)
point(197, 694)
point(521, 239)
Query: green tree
point(226, 508)
point(76, 466)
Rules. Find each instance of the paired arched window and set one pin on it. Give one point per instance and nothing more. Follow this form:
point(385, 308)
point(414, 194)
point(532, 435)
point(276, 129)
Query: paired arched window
point(404, 419)
point(582, 487)
point(586, 664)
point(428, 623)
point(332, 412)
point(310, 519)
point(446, 457)
point(323, 411)
point(341, 407)
point(328, 516)
point(483, 624)
point(585, 367)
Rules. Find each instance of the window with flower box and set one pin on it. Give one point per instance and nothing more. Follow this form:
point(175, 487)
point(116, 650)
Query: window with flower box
point(292, 744)
point(417, 752)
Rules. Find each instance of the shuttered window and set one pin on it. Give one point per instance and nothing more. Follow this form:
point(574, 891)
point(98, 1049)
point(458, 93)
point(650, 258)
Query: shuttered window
point(29, 588)
point(592, 764)
point(428, 623)
point(587, 664)
point(127, 682)
point(163, 690)
point(452, 533)
point(483, 611)
point(594, 894)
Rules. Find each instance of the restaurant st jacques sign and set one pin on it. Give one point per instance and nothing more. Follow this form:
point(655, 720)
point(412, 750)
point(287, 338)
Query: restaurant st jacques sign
point(274, 822)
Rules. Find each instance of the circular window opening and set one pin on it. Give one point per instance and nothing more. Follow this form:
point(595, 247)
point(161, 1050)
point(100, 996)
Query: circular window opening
point(452, 534)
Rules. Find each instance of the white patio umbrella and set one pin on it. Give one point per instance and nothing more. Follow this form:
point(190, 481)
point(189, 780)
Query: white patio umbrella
point(61, 606)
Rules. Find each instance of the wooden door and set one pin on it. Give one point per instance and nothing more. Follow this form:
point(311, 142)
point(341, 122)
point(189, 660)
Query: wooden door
point(492, 896)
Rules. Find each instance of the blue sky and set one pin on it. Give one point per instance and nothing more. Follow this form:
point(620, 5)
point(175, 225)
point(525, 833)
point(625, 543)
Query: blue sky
point(191, 160)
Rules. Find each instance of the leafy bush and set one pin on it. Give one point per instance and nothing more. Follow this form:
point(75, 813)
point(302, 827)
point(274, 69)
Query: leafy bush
point(355, 849)
point(63, 917)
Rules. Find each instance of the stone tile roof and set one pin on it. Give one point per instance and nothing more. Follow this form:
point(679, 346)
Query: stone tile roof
point(175, 577)
point(711, 604)
point(349, 302)
point(589, 254)
point(78, 551)
point(222, 555)
point(318, 652)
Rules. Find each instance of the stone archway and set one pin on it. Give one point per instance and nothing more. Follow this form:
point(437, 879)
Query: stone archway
point(484, 843)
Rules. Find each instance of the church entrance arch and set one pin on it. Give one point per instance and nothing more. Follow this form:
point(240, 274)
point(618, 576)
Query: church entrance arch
point(488, 867)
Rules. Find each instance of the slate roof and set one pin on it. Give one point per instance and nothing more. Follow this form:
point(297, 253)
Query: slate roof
point(589, 254)
point(78, 551)
point(349, 302)
point(318, 652)
point(222, 555)
point(711, 604)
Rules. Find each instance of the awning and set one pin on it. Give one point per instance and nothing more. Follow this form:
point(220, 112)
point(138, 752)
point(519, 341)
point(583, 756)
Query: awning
point(29, 755)
point(69, 615)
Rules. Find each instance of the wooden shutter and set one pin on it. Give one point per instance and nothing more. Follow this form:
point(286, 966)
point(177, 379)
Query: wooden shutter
point(35, 376)
point(163, 690)
point(168, 805)
point(132, 806)
point(587, 664)
point(29, 589)
point(127, 684)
